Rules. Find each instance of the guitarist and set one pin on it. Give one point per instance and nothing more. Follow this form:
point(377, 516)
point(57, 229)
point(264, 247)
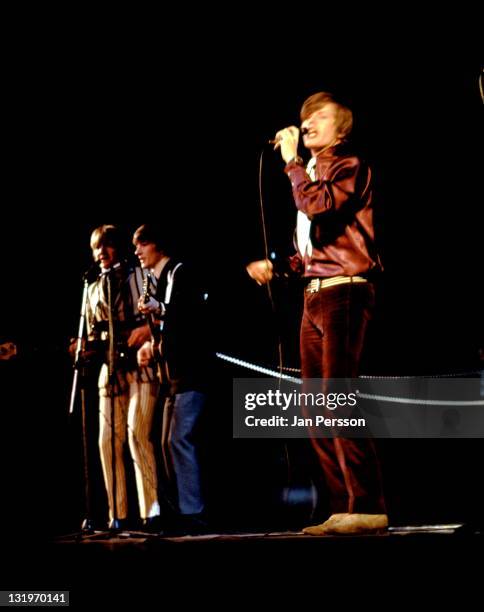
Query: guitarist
point(153, 318)
point(131, 394)
point(179, 306)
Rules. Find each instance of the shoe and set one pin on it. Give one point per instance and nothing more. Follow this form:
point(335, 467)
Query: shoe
point(88, 526)
point(118, 524)
point(322, 529)
point(191, 524)
point(350, 524)
point(152, 524)
point(355, 524)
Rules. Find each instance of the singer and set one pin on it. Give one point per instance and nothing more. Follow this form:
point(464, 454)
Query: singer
point(337, 257)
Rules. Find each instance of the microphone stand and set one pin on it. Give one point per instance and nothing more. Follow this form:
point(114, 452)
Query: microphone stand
point(77, 357)
point(114, 523)
point(79, 367)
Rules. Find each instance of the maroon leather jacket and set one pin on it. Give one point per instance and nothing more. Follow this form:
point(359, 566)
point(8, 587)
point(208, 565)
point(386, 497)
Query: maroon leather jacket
point(339, 205)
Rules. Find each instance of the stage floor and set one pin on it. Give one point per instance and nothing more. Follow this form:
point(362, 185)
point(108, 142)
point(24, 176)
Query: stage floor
point(131, 567)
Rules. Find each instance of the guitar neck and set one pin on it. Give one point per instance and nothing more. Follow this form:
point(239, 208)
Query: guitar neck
point(154, 327)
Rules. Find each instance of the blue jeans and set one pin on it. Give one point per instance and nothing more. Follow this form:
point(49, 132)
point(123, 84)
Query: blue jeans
point(180, 418)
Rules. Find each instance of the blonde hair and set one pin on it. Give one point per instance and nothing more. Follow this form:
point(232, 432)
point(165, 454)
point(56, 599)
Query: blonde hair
point(344, 116)
point(108, 235)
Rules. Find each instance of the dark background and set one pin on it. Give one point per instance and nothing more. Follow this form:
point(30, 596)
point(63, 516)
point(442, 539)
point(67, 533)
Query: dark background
point(96, 134)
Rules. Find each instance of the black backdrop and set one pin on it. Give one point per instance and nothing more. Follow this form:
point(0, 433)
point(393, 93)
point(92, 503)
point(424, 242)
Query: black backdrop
point(100, 136)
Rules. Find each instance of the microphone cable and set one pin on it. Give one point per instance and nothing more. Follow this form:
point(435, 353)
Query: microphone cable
point(266, 255)
point(289, 467)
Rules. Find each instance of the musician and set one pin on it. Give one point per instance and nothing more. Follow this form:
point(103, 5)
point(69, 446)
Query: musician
point(337, 257)
point(130, 391)
point(177, 304)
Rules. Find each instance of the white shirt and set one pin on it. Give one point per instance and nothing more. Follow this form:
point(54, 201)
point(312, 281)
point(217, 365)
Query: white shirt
point(303, 224)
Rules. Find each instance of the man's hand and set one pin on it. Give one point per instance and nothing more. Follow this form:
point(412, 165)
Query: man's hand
point(73, 346)
point(151, 305)
point(139, 335)
point(145, 355)
point(260, 271)
point(287, 141)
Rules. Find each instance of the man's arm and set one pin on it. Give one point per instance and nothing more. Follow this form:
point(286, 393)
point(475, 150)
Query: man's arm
point(344, 181)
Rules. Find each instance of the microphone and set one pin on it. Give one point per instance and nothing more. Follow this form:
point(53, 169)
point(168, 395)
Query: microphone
point(303, 131)
point(93, 268)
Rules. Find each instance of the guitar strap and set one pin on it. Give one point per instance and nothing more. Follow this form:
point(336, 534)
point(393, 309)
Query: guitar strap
point(170, 279)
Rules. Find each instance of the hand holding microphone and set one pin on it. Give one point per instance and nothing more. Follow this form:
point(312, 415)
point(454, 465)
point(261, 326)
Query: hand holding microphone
point(275, 140)
point(287, 141)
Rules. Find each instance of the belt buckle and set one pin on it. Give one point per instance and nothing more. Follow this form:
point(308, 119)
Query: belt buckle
point(316, 287)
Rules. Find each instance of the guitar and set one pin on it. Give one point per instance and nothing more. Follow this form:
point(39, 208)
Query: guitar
point(7, 351)
point(154, 325)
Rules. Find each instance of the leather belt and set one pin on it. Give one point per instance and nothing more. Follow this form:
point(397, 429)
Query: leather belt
point(316, 284)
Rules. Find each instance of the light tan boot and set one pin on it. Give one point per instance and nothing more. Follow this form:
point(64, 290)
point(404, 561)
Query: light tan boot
point(358, 524)
point(323, 527)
